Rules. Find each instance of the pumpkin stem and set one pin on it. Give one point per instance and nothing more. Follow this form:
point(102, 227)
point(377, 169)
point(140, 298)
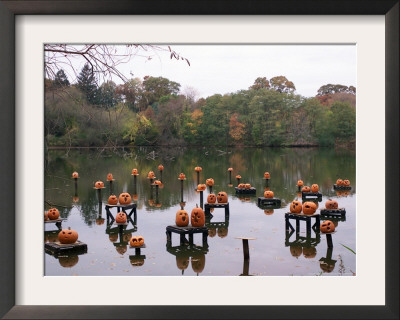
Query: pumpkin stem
point(197, 205)
point(69, 228)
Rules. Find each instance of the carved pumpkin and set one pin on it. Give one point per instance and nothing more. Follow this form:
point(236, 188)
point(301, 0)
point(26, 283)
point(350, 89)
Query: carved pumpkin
point(309, 207)
point(198, 169)
point(53, 214)
point(339, 182)
point(306, 189)
point(222, 232)
point(238, 176)
point(296, 206)
point(212, 232)
point(157, 183)
point(160, 167)
point(346, 182)
point(113, 237)
point(182, 176)
point(182, 262)
point(67, 236)
point(267, 175)
point(120, 217)
point(222, 197)
point(99, 184)
point(300, 183)
point(211, 198)
point(268, 194)
point(75, 175)
point(241, 185)
point(135, 172)
point(182, 218)
point(230, 169)
point(124, 198)
point(46, 216)
point(314, 188)
point(197, 217)
point(136, 241)
point(247, 186)
point(151, 175)
point(201, 187)
point(112, 200)
point(296, 251)
point(210, 182)
point(327, 226)
point(68, 261)
point(331, 204)
point(310, 252)
point(110, 177)
point(135, 197)
point(268, 212)
point(198, 261)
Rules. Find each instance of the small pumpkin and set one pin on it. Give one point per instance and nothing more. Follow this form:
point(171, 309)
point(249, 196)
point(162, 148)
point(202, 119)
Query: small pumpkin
point(247, 186)
point(300, 183)
point(315, 188)
point(67, 236)
point(210, 182)
point(222, 197)
point(75, 199)
point(120, 217)
point(267, 175)
point(136, 241)
point(124, 198)
point(197, 217)
point(75, 175)
point(99, 184)
point(331, 204)
point(268, 194)
point(306, 189)
point(241, 185)
point(309, 207)
point(135, 172)
point(151, 175)
point(238, 176)
point(296, 206)
point(53, 214)
point(135, 197)
point(327, 226)
point(110, 177)
point(182, 218)
point(198, 169)
point(346, 182)
point(112, 200)
point(160, 167)
point(182, 176)
point(230, 169)
point(310, 252)
point(211, 198)
point(339, 182)
point(201, 187)
point(46, 216)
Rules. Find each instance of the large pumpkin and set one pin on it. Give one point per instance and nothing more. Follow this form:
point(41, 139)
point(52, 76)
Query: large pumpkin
point(124, 198)
point(309, 207)
point(295, 206)
point(110, 177)
point(53, 214)
point(160, 167)
point(182, 176)
point(198, 169)
point(222, 197)
point(346, 182)
point(331, 204)
point(136, 241)
point(99, 184)
point(314, 188)
point(67, 236)
point(211, 198)
point(327, 226)
point(112, 200)
point(182, 218)
point(120, 217)
point(75, 175)
point(300, 183)
point(135, 172)
point(267, 175)
point(201, 187)
point(339, 182)
point(210, 182)
point(268, 194)
point(306, 189)
point(197, 217)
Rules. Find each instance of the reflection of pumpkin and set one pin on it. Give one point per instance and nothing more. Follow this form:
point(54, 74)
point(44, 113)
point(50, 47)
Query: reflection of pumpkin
point(136, 241)
point(331, 204)
point(266, 175)
point(100, 221)
point(160, 167)
point(120, 217)
point(113, 237)
point(182, 262)
point(201, 187)
point(222, 197)
point(310, 252)
point(210, 182)
point(53, 214)
point(339, 182)
point(182, 218)
point(327, 226)
point(238, 176)
point(121, 249)
point(211, 198)
point(306, 189)
point(135, 172)
point(296, 251)
point(300, 183)
point(295, 206)
point(182, 176)
point(126, 237)
point(346, 182)
point(314, 188)
point(197, 217)
point(136, 261)
point(198, 261)
point(68, 261)
point(268, 212)
point(99, 184)
point(212, 232)
point(46, 216)
point(67, 236)
point(75, 174)
point(326, 267)
point(151, 175)
point(222, 232)
point(112, 200)
point(268, 194)
point(346, 193)
point(339, 193)
point(198, 169)
point(124, 198)
point(110, 177)
point(309, 207)
point(230, 169)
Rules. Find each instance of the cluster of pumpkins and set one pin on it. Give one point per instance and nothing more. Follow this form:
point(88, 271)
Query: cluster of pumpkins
point(314, 187)
point(197, 217)
point(124, 199)
point(340, 182)
point(244, 186)
point(221, 197)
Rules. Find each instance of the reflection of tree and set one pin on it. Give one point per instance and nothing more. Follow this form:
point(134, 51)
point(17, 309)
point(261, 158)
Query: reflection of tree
point(89, 209)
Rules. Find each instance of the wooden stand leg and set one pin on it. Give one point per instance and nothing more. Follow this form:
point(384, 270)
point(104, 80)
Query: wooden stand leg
point(183, 239)
point(198, 177)
point(297, 225)
point(308, 225)
point(246, 249)
point(137, 251)
point(201, 199)
point(191, 238)
point(205, 236)
point(329, 240)
point(168, 236)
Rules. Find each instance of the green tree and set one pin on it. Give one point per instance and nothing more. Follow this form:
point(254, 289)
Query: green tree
point(282, 84)
point(131, 92)
point(88, 85)
point(61, 79)
point(156, 87)
point(260, 83)
point(107, 95)
point(344, 118)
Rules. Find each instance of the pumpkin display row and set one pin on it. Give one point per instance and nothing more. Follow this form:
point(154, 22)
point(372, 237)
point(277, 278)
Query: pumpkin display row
point(310, 207)
point(221, 197)
point(124, 199)
point(340, 182)
point(244, 186)
point(197, 217)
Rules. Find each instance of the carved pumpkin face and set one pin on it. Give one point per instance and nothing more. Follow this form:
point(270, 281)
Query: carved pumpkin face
point(201, 187)
point(339, 182)
point(210, 182)
point(151, 175)
point(267, 175)
point(110, 177)
point(230, 169)
point(124, 198)
point(53, 214)
point(331, 204)
point(160, 167)
point(268, 194)
point(197, 217)
point(296, 251)
point(75, 174)
point(238, 176)
point(295, 206)
point(136, 241)
point(120, 217)
point(46, 216)
point(241, 185)
point(135, 172)
point(211, 198)
point(306, 189)
point(113, 200)
point(222, 232)
point(309, 207)
point(300, 183)
point(327, 226)
point(247, 186)
point(198, 169)
point(182, 218)
point(314, 188)
point(310, 252)
point(182, 176)
point(198, 261)
point(268, 212)
point(67, 236)
point(222, 197)
point(182, 262)
point(346, 182)
point(99, 184)
point(68, 261)
point(212, 232)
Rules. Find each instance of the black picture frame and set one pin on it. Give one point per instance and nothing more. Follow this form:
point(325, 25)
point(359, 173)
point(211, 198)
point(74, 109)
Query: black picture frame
point(8, 11)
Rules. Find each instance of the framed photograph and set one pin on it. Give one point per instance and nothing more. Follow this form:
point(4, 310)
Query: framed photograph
point(366, 286)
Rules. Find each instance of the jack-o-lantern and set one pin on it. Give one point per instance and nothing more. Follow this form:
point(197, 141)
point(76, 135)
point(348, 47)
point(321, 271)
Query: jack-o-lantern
point(67, 236)
point(120, 217)
point(309, 207)
point(53, 213)
point(238, 176)
point(75, 175)
point(212, 232)
point(268, 212)
point(182, 176)
point(112, 200)
point(346, 182)
point(247, 186)
point(136, 261)
point(306, 189)
point(46, 216)
point(201, 187)
point(268, 194)
point(99, 184)
point(230, 169)
point(222, 197)
point(300, 183)
point(296, 251)
point(113, 237)
point(151, 175)
point(331, 204)
point(110, 177)
point(310, 252)
point(210, 182)
point(241, 185)
point(211, 198)
point(197, 217)
point(124, 198)
point(339, 182)
point(296, 206)
point(315, 188)
point(182, 262)
point(198, 169)
point(136, 241)
point(135, 197)
point(267, 175)
point(222, 232)
point(68, 261)
point(182, 218)
point(75, 199)
point(157, 183)
point(198, 261)
point(135, 172)
point(327, 226)
point(160, 167)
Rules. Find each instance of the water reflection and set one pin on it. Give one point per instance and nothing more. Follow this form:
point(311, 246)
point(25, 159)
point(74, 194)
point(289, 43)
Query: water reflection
point(327, 264)
point(185, 253)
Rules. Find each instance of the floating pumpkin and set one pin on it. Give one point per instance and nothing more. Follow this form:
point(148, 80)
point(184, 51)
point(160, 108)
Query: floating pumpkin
point(238, 176)
point(310, 252)
point(160, 167)
point(309, 207)
point(314, 188)
point(75, 175)
point(339, 182)
point(201, 187)
point(120, 217)
point(53, 214)
point(222, 232)
point(211, 198)
point(300, 183)
point(247, 186)
point(268, 194)
point(67, 236)
point(268, 212)
point(112, 200)
point(346, 182)
point(182, 262)
point(198, 261)
point(331, 204)
point(136, 241)
point(99, 184)
point(68, 261)
point(212, 232)
point(241, 185)
point(222, 197)
point(46, 216)
point(135, 172)
point(198, 169)
point(296, 251)
point(110, 177)
point(124, 198)
point(210, 182)
point(182, 176)
point(296, 206)
point(327, 226)
point(306, 189)
point(230, 169)
point(182, 218)
point(151, 175)
point(267, 175)
point(197, 217)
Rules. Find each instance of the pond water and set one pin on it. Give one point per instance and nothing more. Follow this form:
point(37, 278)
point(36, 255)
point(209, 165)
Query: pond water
point(274, 252)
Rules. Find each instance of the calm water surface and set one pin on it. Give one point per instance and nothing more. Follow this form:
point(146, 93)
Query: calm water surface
point(271, 254)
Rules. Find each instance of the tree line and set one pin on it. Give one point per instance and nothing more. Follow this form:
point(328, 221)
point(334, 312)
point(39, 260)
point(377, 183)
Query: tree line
point(153, 111)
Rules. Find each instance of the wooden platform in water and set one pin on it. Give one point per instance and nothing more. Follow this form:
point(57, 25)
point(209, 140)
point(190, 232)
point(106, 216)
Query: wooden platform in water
point(252, 190)
point(336, 187)
point(56, 248)
point(311, 195)
point(333, 212)
point(183, 231)
point(269, 202)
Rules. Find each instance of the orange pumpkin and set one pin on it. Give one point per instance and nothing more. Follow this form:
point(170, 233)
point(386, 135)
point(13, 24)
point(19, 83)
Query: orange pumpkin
point(201, 187)
point(75, 174)
point(135, 172)
point(222, 197)
point(75, 199)
point(306, 189)
point(230, 169)
point(120, 217)
point(182, 218)
point(198, 169)
point(267, 175)
point(110, 177)
point(314, 188)
point(310, 252)
point(247, 186)
point(99, 184)
point(241, 185)
point(124, 198)
point(67, 236)
point(309, 207)
point(53, 214)
point(327, 226)
point(346, 182)
point(300, 183)
point(268, 194)
point(331, 204)
point(157, 182)
point(160, 167)
point(112, 200)
point(151, 175)
point(296, 206)
point(211, 198)
point(182, 176)
point(197, 217)
point(238, 176)
point(210, 182)
point(136, 241)
point(46, 216)
point(339, 182)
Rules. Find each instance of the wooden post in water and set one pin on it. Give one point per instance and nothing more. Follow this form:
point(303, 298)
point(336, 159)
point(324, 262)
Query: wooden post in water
point(111, 187)
point(181, 190)
point(201, 199)
point(99, 195)
point(76, 187)
point(198, 177)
